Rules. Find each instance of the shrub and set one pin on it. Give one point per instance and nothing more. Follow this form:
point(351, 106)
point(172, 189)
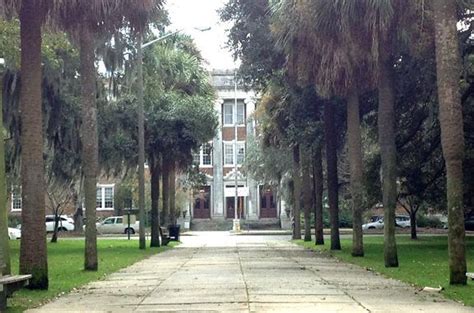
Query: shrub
point(429, 221)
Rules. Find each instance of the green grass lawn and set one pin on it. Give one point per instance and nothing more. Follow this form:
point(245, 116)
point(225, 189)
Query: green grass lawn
point(423, 262)
point(66, 263)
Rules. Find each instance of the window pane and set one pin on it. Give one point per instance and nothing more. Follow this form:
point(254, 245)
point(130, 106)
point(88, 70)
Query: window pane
point(109, 197)
point(240, 113)
point(16, 200)
point(98, 198)
point(240, 153)
point(228, 113)
point(197, 158)
point(228, 154)
point(206, 154)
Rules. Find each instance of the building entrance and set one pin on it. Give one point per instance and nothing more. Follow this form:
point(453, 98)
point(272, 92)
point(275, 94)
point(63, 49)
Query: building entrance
point(230, 205)
point(202, 199)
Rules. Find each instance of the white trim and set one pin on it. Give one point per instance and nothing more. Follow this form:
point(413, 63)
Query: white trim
point(234, 114)
point(103, 187)
point(11, 202)
point(224, 143)
point(201, 156)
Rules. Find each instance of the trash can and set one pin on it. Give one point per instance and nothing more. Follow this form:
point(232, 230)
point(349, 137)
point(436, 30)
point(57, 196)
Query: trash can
point(174, 232)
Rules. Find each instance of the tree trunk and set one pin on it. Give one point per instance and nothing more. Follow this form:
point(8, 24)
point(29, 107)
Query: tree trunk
point(318, 196)
point(165, 177)
point(141, 146)
point(54, 238)
point(296, 193)
point(4, 244)
point(33, 253)
point(413, 224)
point(90, 155)
point(452, 137)
point(356, 172)
point(331, 159)
point(155, 197)
point(306, 190)
point(388, 153)
point(172, 193)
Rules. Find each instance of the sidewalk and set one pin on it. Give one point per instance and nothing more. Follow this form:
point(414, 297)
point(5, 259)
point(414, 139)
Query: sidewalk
point(222, 273)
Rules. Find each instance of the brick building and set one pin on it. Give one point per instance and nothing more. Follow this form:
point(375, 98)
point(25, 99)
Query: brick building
point(214, 203)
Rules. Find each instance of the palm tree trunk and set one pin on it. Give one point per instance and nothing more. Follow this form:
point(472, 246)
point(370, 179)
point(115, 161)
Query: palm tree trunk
point(165, 177)
point(172, 194)
point(356, 172)
point(388, 152)
point(331, 159)
point(296, 193)
point(33, 253)
point(452, 136)
point(306, 190)
point(4, 244)
point(90, 155)
point(155, 197)
point(318, 196)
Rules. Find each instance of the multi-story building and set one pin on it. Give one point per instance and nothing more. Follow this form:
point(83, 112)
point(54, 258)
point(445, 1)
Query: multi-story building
point(221, 160)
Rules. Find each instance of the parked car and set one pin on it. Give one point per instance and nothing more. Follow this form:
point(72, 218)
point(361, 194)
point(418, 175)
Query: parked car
point(378, 224)
point(400, 221)
point(64, 224)
point(62, 217)
point(117, 225)
point(469, 223)
point(14, 233)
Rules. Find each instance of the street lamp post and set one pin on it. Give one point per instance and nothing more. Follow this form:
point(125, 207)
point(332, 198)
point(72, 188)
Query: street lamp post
point(236, 224)
point(141, 129)
point(141, 146)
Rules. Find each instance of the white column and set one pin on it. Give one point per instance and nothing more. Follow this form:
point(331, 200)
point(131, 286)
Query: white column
point(218, 174)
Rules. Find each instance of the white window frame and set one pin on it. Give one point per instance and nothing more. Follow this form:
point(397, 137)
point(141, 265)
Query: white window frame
point(198, 157)
point(231, 105)
point(224, 106)
point(231, 144)
point(202, 164)
point(102, 188)
point(16, 193)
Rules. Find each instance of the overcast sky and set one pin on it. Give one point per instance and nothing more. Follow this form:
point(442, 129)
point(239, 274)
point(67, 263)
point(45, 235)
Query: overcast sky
point(188, 14)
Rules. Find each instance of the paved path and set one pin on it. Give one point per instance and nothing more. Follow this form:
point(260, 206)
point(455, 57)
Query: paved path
point(222, 273)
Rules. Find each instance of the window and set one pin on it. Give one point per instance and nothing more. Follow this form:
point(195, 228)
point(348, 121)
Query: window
point(240, 113)
point(240, 153)
point(229, 153)
point(197, 157)
point(228, 113)
point(16, 200)
point(105, 197)
point(204, 156)
point(206, 151)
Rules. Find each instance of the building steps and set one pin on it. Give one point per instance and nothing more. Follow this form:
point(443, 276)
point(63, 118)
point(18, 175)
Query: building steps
point(224, 225)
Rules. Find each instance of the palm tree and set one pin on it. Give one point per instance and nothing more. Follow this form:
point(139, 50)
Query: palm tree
point(452, 136)
point(343, 43)
point(306, 190)
point(296, 192)
point(86, 21)
point(33, 254)
point(4, 239)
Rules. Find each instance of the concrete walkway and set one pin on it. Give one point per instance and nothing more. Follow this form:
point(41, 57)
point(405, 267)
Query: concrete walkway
point(217, 272)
